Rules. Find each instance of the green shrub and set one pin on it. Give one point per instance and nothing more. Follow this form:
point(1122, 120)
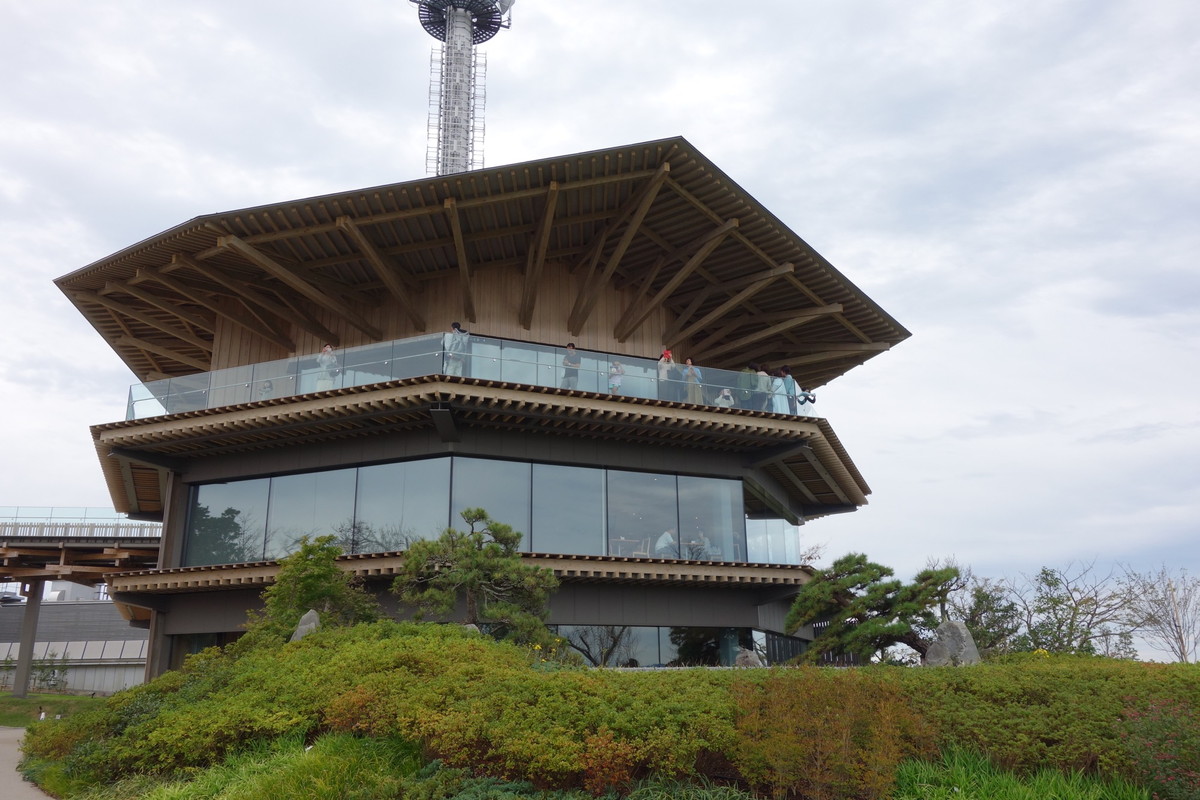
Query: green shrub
point(1162, 740)
point(823, 734)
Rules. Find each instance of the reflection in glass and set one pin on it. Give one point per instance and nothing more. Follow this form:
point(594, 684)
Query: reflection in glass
point(568, 510)
point(312, 504)
point(225, 523)
point(772, 541)
point(398, 503)
point(642, 508)
point(711, 518)
point(501, 488)
point(613, 645)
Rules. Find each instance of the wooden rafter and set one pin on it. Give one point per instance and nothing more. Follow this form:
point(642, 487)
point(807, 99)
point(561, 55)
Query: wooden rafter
point(161, 303)
point(764, 279)
point(589, 292)
point(796, 321)
point(166, 352)
point(202, 300)
point(317, 295)
point(460, 253)
point(85, 296)
point(705, 245)
point(536, 258)
point(248, 294)
point(397, 279)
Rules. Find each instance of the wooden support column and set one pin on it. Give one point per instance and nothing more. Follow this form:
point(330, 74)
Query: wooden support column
point(589, 292)
point(536, 258)
point(320, 296)
point(460, 253)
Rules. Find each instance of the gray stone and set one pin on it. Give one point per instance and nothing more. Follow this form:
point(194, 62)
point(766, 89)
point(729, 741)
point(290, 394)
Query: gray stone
point(308, 623)
point(747, 658)
point(953, 646)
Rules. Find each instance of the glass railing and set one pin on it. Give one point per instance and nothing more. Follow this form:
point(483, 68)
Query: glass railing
point(469, 356)
point(72, 522)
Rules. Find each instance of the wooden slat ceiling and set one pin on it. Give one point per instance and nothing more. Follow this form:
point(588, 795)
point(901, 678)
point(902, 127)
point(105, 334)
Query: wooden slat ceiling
point(802, 453)
point(657, 218)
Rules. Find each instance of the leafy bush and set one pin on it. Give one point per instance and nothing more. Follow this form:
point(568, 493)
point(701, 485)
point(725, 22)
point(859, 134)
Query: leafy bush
point(1162, 740)
point(491, 708)
point(822, 733)
point(1060, 712)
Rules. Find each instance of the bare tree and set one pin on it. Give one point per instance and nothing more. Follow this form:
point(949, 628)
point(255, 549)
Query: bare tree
point(1075, 610)
point(1169, 603)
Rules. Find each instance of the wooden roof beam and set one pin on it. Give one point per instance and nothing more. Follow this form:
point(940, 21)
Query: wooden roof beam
point(249, 294)
point(166, 352)
point(589, 292)
point(160, 303)
point(199, 299)
point(536, 258)
point(460, 254)
point(706, 244)
point(397, 279)
point(181, 334)
point(774, 330)
point(674, 335)
point(317, 295)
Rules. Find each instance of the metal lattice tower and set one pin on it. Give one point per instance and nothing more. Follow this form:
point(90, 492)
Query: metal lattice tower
point(457, 77)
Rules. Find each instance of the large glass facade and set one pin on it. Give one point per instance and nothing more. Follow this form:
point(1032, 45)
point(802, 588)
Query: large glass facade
point(559, 509)
point(683, 646)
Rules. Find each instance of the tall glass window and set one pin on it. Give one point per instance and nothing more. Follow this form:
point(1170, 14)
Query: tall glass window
point(312, 504)
point(642, 513)
point(711, 519)
point(500, 488)
point(568, 510)
point(398, 503)
point(227, 523)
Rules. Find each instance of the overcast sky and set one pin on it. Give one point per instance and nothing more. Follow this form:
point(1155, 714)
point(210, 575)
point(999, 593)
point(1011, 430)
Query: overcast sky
point(1018, 184)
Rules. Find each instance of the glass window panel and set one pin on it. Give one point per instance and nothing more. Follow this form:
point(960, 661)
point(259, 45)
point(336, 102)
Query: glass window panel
point(482, 359)
point(568, 510)
point(691, 646)
point(773, 541)
point(226, 523)
point(274, 379)
point(313, 504)
point(613, 645)
point(711, 518)
point(368, 364)
point(400, 502)
point(642, 507)
point(523, 363)
point(231, 386)
point(412, 358)
point(501, 488)
point(188, 393)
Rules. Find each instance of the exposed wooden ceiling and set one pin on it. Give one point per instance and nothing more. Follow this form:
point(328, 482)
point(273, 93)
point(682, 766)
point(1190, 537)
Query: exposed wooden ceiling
point(657, 219)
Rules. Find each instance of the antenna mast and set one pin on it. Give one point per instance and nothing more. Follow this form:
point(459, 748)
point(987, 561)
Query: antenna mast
point(457, 73)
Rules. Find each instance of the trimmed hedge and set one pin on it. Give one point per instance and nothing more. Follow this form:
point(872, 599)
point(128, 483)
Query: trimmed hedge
point(498, 710)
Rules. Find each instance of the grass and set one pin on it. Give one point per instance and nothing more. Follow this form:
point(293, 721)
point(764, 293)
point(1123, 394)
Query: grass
point(964, 775)
point(19, 712)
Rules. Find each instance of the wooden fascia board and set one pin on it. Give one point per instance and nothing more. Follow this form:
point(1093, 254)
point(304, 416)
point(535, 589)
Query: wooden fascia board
point(706, 244)
point(460, 254)
point(773, 330)
point(166, 352)
point(237, 319)
point(742, 296)
point(85, 296)
point(161, 303)
point(397, 280)
point(536, 259)
point(317, 295)
point(248, 294)
point(589, 292)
